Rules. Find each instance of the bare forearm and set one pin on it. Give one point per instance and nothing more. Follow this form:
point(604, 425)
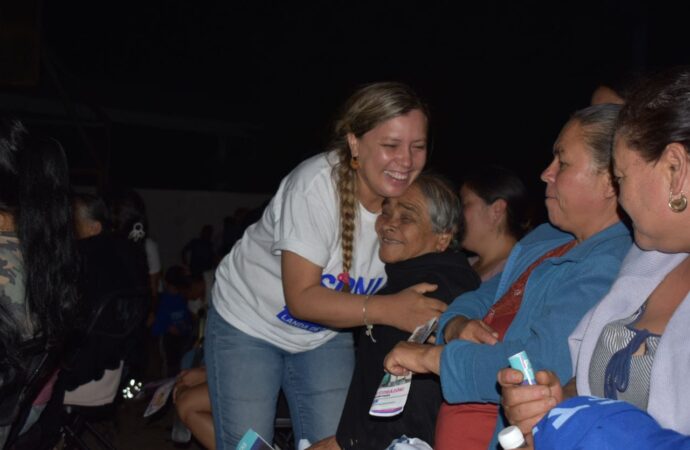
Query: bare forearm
point(307, 299)
point(338, 309)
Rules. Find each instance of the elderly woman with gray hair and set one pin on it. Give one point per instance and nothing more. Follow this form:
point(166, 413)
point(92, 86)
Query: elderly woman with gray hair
point(418, 235)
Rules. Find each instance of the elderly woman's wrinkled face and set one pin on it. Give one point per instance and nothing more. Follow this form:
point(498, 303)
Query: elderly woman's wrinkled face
point(576, 192)
point(643, 194)
point(405, 230)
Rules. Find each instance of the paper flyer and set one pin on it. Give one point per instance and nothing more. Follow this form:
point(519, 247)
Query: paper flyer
point(391, 395)
point(160, 397)
point(393, 390)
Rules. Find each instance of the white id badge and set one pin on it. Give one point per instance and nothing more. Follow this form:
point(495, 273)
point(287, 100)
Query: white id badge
point(391, 395)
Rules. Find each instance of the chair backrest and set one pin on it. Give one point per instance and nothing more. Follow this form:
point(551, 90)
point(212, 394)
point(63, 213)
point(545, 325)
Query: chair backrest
point(42, 360)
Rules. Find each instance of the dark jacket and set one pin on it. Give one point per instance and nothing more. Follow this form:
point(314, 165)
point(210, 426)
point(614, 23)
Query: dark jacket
point(357, 429)
point(108, 265)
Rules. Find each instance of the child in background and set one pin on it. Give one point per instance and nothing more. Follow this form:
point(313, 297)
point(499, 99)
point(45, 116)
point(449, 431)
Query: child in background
point(173, 322)
point(196, 296)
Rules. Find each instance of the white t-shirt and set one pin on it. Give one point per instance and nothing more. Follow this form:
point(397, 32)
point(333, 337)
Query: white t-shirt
point(153, 258)
point(303, 218)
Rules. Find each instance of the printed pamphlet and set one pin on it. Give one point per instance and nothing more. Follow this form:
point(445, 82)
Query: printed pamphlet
point(393, 390)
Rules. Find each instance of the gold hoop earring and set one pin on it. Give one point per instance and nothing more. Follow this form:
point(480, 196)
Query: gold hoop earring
point(679, 204)
point(354, 163)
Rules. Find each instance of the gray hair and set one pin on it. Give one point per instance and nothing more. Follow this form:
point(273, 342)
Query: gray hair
point(444, 206)
point(598, 128)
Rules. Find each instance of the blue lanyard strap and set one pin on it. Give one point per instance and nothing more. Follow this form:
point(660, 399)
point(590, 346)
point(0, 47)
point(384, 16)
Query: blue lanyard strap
point(617, 375)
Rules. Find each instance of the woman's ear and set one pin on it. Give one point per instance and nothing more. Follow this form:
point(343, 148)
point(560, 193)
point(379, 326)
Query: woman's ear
point(677, 160)
point(354, 144)
point(498, 209)
point(610, 191)
point(443, 240)
point(95, 227)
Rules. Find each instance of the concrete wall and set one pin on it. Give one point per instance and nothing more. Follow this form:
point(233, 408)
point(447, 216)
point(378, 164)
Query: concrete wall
point(176, 216)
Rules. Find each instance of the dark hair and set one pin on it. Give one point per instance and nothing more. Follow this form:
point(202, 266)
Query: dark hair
point(658, 113)
point(443, 205)
point(34, 189)
point(492, 183)
point(598, 124)
point(177, 277)
point(93, 207)
point(128, 215)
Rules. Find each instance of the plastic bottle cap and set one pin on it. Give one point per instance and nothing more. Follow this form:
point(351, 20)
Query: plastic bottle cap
point(511, 437)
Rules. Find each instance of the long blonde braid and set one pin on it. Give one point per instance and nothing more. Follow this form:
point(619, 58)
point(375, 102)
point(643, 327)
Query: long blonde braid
point(347, 194)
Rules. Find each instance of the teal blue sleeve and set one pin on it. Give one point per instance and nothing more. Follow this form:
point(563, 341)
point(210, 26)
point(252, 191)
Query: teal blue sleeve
point(550, 311)
point(473, 305)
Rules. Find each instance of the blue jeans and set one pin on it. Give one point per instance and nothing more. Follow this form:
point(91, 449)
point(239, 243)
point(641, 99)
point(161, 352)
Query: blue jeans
point(245, 375)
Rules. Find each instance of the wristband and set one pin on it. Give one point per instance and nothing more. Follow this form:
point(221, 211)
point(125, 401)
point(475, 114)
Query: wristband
point(369, 327)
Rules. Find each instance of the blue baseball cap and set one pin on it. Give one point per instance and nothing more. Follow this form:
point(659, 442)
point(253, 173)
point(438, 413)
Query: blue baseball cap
point(602, 424)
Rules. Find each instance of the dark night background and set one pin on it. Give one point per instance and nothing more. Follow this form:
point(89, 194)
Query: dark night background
point(229, 96)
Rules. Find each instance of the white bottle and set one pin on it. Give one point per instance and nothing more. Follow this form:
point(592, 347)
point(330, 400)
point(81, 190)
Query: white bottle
point(511, 438)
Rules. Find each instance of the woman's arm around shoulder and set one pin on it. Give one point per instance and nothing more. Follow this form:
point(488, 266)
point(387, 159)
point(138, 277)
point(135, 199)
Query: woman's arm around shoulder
point(308, 300)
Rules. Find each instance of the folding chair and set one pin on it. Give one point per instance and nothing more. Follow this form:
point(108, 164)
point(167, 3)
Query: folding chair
point(17, 395)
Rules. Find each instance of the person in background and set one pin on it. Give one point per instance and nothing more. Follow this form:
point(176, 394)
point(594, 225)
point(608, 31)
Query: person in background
point(173, 322)
point(200, 257)
point(153, 260)
point(128, 221)
point(38, 264)
point(233, 227)
point(196, 298)
point(108, 265)
point(198, 254)
point(193, 405)
point(552, 277)
point(309, 268)
point(632, 345)
point(495, 208)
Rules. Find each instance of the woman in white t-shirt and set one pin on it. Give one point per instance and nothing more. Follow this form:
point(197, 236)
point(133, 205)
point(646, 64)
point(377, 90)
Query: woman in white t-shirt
point(308, 268)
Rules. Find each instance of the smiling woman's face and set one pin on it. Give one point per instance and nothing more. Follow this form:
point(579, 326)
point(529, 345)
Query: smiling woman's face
point(390, 155)
point(404, 228)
